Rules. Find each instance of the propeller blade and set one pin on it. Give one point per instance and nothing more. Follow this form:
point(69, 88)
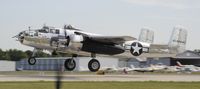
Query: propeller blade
point(15, 36)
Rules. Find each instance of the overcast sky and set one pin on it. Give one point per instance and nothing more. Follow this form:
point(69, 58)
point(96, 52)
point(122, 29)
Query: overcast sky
point(109, 17)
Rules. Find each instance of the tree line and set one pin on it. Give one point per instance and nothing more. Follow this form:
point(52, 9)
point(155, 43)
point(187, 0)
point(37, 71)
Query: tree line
point(16, 55)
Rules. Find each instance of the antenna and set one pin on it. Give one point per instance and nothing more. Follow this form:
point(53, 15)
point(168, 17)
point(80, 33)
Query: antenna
point(29, 28)
point(65, 26)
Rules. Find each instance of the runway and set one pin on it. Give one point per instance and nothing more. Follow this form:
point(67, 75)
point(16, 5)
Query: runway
point(143, 77)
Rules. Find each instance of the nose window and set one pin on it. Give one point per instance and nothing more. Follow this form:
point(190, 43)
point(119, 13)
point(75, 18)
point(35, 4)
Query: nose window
point(43, 30)
point(55, 31)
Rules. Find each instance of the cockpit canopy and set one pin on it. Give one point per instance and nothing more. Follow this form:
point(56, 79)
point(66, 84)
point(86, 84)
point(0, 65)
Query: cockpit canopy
point(47, 29)
point(70, 27)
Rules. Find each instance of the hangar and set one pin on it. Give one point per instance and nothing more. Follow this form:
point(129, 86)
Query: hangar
point(186, 58)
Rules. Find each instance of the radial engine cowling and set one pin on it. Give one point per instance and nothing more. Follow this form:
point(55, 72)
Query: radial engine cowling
point(76, 38)
point(76, 42)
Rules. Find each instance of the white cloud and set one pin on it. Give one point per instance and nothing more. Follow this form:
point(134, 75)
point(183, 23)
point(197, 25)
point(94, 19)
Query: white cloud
point(177, 4)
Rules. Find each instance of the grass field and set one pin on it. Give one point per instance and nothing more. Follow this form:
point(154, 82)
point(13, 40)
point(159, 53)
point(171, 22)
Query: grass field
point(101, 85)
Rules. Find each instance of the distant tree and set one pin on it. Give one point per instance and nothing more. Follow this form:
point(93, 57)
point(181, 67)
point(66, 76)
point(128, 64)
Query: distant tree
point(42, 54)
point(4, 55)
point(28, 53)
point(16, 55)
point(38, 54)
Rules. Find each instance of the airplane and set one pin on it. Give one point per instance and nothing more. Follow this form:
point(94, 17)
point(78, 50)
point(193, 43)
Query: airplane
point(78, 42)
point(187, 68)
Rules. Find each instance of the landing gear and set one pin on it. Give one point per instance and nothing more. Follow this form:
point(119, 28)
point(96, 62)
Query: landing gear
point(70, 64)
point(93, 64)
point(32, 60)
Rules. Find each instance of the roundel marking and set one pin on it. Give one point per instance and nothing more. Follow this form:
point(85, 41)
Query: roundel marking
point(136, 49)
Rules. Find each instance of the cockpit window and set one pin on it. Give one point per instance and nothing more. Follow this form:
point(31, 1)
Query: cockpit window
point(43, 30)
point(57, 31)
point(46, 29)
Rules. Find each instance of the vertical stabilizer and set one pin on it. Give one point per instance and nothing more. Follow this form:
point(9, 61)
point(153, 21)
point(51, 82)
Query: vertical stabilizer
point(178, 39)
point(179, 64)
point(146, 35)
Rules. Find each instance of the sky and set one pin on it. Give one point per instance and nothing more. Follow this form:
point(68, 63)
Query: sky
point(107, 17)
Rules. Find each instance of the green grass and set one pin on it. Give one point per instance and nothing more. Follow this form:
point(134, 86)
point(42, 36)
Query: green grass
point(101, 85)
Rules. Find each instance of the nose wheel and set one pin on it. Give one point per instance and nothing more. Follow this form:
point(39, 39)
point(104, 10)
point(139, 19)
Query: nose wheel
point(93, 65)
point(31, 61)
point(70, 64)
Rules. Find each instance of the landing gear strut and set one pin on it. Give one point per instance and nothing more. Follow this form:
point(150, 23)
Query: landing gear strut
point(70, 63)
point(32, 60)
point(93, 64)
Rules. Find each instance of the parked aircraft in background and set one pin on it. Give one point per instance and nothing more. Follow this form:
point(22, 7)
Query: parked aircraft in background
point(77, 42)
point(151, 68)
point(187, 68)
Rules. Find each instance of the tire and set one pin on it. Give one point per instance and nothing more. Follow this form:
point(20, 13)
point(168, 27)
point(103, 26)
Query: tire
point(93, 65)
point(31, 61)
point(70, 64)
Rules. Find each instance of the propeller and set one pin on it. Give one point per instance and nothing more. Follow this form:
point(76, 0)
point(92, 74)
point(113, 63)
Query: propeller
point(16, 36)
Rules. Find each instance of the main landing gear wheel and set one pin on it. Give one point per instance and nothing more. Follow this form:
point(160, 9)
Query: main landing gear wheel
point(93, 65)
point(31, 61)
point(70, 64)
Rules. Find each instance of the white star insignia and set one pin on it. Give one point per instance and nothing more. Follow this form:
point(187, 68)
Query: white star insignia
point(136, 48)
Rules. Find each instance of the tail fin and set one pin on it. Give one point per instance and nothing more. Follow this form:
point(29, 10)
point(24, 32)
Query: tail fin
point(146, 35)
point(179, 64)
point(178, 39)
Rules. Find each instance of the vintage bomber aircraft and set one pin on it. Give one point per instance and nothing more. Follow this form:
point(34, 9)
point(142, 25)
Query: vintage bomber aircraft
point(77, 42)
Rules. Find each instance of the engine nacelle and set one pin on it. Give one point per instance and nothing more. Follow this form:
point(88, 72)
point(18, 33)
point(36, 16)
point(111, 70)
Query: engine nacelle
point(76, 38)
point(75, 42)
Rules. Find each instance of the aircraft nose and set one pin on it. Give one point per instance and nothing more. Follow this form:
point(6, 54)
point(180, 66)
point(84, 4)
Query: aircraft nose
point(20, 36)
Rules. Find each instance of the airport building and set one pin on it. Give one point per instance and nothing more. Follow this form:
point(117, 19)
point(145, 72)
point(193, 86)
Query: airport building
point(7, 65)
point(186, 58)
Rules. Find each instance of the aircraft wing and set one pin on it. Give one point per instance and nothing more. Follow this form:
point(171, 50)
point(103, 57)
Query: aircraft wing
point(111, 39)
point(107, 39)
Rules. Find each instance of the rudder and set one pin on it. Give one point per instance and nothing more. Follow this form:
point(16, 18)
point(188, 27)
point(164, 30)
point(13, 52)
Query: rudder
point(178, 39)
point(146, 35)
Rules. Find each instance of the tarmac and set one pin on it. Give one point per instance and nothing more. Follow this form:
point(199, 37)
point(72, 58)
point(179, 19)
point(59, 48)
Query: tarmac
point(120, 77)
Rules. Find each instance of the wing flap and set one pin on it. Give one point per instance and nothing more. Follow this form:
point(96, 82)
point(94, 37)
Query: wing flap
point(112, 39)
point(107, 39)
